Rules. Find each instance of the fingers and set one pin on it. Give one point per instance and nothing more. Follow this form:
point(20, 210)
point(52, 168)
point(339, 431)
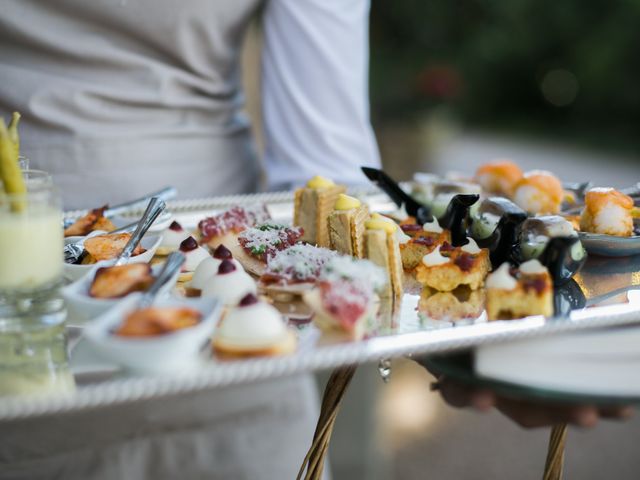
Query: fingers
point(617, 413)
point(531, 415)
point(527, 414)
point(459, 395)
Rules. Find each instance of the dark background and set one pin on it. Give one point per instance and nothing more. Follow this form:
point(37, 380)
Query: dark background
point(565, 69)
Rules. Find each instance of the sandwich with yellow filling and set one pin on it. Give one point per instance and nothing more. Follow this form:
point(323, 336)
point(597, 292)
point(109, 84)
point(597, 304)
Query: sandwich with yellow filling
point(382, 246)
point(346, 226)
point(312, 206)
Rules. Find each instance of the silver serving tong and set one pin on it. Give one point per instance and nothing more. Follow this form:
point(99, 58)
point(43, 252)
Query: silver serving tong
point(74, 252)
point(165, 194)
point(171, 266)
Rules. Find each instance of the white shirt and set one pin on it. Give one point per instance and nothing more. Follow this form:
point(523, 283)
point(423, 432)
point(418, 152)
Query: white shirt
point(315, 91)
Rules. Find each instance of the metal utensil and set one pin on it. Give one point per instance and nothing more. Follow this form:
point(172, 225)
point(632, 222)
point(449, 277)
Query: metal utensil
point(165, 194)
point(169, 269)
point(73, 252)
point(154, 208)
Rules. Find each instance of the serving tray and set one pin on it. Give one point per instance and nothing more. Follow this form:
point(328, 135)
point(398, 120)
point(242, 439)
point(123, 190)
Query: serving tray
point(602, 295)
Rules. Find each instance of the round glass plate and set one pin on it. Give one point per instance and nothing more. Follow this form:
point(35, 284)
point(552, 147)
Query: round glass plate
point(460, 368)
point(610, 245)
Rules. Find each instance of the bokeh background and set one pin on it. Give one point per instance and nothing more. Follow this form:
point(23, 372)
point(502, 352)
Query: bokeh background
point(453, 84)
point(533, 70)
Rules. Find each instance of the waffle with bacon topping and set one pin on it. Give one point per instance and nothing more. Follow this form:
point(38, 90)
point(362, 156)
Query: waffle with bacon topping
point(455, 267)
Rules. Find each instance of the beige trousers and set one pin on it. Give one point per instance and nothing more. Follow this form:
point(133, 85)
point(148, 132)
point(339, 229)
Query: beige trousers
point(252, 432)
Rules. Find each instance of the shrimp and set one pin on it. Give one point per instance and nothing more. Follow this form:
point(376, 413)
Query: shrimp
point(607, 211)
point(499, 177)
point(539, 192)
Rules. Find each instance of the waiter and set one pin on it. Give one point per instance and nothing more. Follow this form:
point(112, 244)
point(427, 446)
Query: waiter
point(122, 97)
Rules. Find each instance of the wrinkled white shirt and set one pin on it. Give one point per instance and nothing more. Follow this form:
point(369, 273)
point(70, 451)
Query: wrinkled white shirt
point(315, 95)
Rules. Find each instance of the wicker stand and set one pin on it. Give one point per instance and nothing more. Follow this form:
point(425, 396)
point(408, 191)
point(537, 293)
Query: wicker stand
point(313, 463)
point(555, 453)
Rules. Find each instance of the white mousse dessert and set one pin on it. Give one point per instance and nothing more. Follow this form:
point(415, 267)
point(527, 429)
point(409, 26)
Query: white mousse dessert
point(194, 254)
point(172, 237)
point(253, 328)
point(208, 267)
point(230, 284)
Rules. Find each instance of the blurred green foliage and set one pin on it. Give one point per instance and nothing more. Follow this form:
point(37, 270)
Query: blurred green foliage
point(552, 66)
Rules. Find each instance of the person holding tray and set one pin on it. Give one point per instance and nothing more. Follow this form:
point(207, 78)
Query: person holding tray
point(122, 97)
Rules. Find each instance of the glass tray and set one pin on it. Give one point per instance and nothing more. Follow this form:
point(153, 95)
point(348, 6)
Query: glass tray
point(602, 295)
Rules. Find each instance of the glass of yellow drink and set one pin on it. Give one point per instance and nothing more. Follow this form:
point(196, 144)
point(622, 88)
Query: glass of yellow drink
point(32, 340)
point(31, 237)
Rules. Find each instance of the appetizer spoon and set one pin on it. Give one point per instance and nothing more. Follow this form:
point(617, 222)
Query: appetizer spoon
point(398, 195)
point(501, 242)
point(169, 269)
point(166, 193)
point(456, 215)
point(566, 298)
point(557, 257)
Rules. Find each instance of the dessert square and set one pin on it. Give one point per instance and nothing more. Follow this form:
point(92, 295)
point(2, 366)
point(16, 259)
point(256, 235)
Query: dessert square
point(448, 267)
point(519, 292)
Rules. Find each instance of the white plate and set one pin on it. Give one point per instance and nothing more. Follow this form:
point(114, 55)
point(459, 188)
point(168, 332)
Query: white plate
point(167, 353)
point(610, 245)
point(150, 242)
point(81, 307)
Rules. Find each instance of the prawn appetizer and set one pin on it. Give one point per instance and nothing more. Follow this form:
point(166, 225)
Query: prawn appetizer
point(499, 177)
point(539, 193)
point(607, 211)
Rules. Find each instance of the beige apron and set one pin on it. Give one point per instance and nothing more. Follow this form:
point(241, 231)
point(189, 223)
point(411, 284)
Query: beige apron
point(121, 97)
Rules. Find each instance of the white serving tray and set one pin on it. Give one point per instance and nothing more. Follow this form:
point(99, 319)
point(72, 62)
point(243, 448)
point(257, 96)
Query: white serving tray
point(606, 291)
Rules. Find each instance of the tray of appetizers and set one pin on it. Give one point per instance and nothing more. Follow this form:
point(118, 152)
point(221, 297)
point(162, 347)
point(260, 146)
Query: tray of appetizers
point(281, 283)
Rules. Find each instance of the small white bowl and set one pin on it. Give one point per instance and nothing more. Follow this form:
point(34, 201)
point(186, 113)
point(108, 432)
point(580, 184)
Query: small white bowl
point(150, 242)
point(159, 354)
point(81, 307)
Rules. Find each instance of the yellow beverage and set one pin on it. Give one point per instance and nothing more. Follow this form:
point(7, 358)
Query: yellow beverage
point(31, 247)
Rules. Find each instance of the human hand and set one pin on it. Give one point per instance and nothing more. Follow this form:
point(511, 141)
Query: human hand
point(526, 413)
